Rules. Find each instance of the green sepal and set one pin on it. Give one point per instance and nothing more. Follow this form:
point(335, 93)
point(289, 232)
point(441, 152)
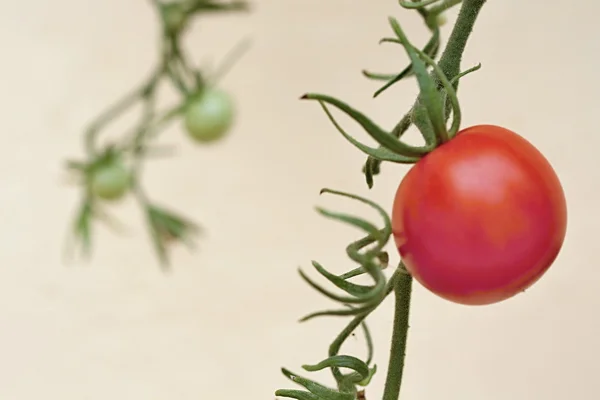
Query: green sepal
point(385, 139)
point(377, 207)
point(346, 312)
point(381, 153)
point(373, 166)
point(431, 48)
point(453, 105)
point(349, 287)
point(428, 87)
point(342, 299)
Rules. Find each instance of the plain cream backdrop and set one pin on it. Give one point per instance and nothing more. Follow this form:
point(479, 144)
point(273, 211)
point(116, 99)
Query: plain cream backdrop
point(223, 321)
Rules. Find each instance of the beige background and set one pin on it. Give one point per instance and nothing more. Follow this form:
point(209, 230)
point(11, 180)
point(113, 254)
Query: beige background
point(223, 322)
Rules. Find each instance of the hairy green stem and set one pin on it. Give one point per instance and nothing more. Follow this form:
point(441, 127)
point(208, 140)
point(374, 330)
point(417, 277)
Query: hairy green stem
point(402, 291)
point(452, 56)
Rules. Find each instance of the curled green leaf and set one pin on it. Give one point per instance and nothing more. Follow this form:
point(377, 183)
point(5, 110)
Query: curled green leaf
point(355, 272)
point(349, 287)
point(382, 137)
point(431, 48)
point(378, 76)
point(354, 248)
point(381, 153)
point(369, 261)
point(373, 291)
point(367, 380)
point(351, 220)
point(383, 258)
point(359, 302)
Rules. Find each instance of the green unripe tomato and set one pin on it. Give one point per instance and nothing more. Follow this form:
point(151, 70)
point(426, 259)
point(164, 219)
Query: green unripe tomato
point(209, 116)
point(441, 19)
point(110, 181)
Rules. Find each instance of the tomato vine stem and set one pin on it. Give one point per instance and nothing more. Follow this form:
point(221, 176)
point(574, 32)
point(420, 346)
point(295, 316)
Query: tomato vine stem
point(449, 65)
point(402, 293)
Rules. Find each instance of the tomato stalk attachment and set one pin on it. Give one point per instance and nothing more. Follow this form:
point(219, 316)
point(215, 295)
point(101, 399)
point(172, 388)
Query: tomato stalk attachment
point(437, 100)
point(135, 147)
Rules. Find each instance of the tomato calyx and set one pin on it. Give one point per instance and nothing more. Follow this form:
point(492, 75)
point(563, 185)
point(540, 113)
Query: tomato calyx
point(436, 103)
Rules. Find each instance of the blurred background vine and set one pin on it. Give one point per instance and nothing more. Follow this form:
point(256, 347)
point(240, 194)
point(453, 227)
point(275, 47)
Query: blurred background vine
point(110, 171)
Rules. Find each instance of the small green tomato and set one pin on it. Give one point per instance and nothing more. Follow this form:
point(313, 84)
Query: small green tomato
point(110, 181)
point(441, 19)
point(209, 116)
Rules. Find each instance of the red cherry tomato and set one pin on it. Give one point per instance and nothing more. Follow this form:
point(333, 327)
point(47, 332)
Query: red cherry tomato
point(481, 218)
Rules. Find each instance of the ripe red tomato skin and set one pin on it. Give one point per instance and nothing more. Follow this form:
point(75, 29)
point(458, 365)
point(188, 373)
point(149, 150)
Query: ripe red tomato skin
point(481, 218)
